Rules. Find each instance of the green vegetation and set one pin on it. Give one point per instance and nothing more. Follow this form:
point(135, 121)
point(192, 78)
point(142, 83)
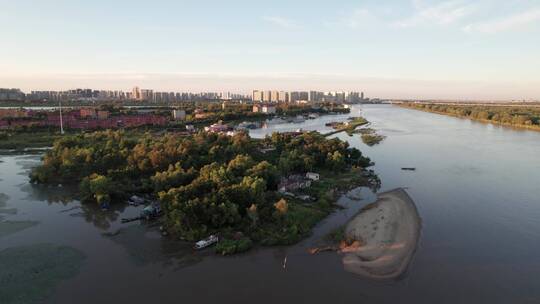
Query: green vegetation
point(515, 116)
point(27, 139)
point(370, 136)
point(372, 139)
point(208, 183)
point(232, 246)
point(336, 236)
point(349, 126)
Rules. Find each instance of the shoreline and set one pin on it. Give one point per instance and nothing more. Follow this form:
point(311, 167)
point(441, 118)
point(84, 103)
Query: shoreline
point(486, 121)
point(386, 233)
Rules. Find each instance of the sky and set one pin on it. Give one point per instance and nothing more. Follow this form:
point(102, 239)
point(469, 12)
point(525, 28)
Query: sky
point(417, 49)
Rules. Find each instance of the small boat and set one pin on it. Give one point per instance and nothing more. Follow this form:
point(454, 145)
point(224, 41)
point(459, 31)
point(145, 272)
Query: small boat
point(209, 241)
point(151, 212)
point(408, 169)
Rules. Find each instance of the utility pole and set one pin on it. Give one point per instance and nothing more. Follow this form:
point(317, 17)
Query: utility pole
point(61, 121)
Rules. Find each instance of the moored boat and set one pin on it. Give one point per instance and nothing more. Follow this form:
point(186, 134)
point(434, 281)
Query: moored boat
point(209, 241)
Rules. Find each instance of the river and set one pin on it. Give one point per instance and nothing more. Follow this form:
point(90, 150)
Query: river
point(475, 187)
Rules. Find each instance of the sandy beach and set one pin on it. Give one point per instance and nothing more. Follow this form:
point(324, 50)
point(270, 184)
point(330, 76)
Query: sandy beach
point(388, 232)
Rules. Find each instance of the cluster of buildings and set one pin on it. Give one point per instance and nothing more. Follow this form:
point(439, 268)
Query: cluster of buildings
point(136, 94)
point(307, 97)
point(11, 94)
point(83, 119)
point(264, 108)
point(151, 96)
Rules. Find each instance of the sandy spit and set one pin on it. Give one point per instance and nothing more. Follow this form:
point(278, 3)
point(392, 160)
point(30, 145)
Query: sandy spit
point(388, 231)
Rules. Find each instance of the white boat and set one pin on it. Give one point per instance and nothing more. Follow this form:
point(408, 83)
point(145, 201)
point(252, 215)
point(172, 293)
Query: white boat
point(298, 119)
point(209, 241)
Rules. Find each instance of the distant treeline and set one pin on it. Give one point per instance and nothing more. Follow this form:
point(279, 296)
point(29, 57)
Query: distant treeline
point(516, 116)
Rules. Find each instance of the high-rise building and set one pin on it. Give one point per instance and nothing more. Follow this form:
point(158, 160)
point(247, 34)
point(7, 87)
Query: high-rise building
point(136, 93)
point(283, 96)
point(274, 96)
point(257, 96)
point(267, 96)
point(315, 96)
point(146, 95)
point(226, 96)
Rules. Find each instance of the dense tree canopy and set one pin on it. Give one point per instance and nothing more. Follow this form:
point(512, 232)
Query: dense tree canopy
point(206, 182)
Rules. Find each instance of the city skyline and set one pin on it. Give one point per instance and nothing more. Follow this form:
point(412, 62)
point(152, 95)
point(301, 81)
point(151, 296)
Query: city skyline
point(148, 94)
point(450, 49)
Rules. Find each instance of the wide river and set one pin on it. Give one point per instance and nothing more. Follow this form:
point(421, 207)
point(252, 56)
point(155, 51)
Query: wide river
point(477, 189)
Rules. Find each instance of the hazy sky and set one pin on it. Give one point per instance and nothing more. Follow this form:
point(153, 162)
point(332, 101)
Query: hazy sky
point(487, 49)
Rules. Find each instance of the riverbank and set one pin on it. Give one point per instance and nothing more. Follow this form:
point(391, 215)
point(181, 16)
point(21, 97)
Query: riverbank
point(533, 127)
point(12, 140)
point(385, 236)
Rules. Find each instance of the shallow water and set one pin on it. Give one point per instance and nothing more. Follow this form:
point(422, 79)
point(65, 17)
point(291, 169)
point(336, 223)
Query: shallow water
point(476, 189)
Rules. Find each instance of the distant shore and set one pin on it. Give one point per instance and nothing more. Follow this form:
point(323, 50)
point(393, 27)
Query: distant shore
point(388, 232)
point(488, 121)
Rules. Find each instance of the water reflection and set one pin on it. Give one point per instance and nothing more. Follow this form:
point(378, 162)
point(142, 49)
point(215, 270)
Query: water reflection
point(51, 195)
point(146, 246)
point(98, 217)
point(66, 196)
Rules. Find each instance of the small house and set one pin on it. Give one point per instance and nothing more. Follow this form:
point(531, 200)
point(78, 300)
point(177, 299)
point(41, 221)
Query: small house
point(313, 176)
point(269, 109)
point(293, 182)
point(179, 114)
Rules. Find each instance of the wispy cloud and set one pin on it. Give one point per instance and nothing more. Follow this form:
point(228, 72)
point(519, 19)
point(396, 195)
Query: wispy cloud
point(444, 13)
point(517, 21)
point(359, 18)
point(281, 22)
